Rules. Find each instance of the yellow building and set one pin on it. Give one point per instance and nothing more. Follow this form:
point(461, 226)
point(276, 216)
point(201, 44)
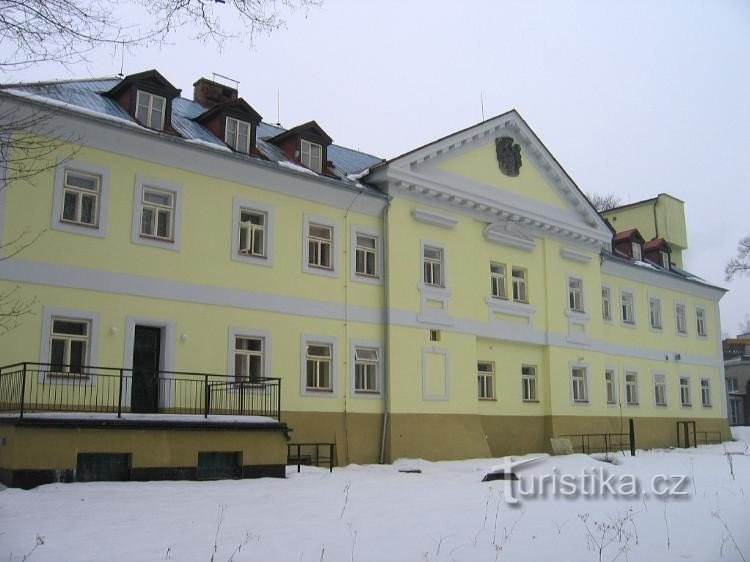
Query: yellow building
point(461, 300)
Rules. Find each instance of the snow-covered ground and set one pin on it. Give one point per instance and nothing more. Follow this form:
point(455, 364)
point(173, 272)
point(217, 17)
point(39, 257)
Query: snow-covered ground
point(365, 513)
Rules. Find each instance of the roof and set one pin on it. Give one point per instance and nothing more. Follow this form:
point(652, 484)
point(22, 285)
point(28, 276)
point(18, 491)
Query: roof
point(656, 243)
point(87, 96)
point(627, 235)
point(642, 202)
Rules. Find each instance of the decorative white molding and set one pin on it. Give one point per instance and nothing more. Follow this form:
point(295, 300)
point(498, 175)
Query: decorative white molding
point(574, 255)
point(432, 218)
point(509, 234)
point(504, 306)
point(446, 373)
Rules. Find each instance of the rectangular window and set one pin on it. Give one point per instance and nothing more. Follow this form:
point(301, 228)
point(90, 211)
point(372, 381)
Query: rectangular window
point(311, 155)
point(528, 383)
point(432, 261)
point(575, 294)
point(735, 411)
point(497, 280)
point(150, 110)
point(706, 392)
point(366, 255)
point(609, 382)
point(731, 384)
point(81, 194)
point(578, 382)
point(252, 233)
point(700, 321)
point(680, 319)
point(248, 359)
point(660, 390)
point(520, 294)
point(157, 213)
point(318, 356)
point(237, 134)
point(366, 369)
point(631, 388)
point(606, 303)
point(664, 257)
point(654, 312)
point(486, 380)
point(636, 251)
point(434, 335)
point(320, 246)
point(685, 391)
point(69, 345)
point(626, 307)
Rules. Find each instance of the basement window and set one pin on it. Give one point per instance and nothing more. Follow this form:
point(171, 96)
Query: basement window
point(219, 465)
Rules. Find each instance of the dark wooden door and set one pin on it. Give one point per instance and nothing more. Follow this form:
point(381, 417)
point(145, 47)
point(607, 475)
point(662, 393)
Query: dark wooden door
point(144, 397)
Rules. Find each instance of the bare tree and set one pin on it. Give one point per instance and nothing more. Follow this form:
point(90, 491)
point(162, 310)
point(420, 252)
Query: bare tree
point(604, 202)
point(739, 265)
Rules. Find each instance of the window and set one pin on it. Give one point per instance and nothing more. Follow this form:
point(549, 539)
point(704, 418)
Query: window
point(664, 258)
point(432, 260)
point(150, 110)
point(320, 246)
point(69, 345)
point(252, 233)
point(654, 312)
point(706, 393)
point(366, 254)
point(685, 391)
point(578, 382)
point(497, 280)
point(631, 388)
point(81, 198)
point(606, 303)
point(731, 384)
point(575, 294)
point(660, 389)
point(248, 359)
point(434, 335)
point(237, 134)
point(486, 380)
point(366, 369)
point(528, 383)
point(636, 251)
point(609, 383)
point(311, 155)
point(626, 307)
point(518, 276)
point(680, 320)
point(157, 212)
point(318, 359)
point(700, 321)
point(735, 411)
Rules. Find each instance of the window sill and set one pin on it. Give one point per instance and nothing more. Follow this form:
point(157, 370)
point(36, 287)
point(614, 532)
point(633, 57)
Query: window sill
point(581, 403)
point(530, 401)
point(660, 405)
point(323, 390)
point(686, 405)
point(707, 405)
point(366, 392)
point(482, 399)
point(79, 224)
point(630, 325)
point(157, 239)
point(682, 334)
point(633, 404)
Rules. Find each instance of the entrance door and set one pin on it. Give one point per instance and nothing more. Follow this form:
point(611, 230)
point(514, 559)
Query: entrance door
point(146, 363)
point(735, 411)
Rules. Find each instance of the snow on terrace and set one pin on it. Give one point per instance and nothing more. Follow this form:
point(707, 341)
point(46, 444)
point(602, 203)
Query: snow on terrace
point(373, 513)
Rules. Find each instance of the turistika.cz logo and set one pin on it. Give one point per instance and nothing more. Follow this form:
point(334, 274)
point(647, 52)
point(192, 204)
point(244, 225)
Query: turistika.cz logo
point(593, 482)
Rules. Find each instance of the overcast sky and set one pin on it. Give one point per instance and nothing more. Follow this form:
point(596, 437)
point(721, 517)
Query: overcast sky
point(632, 98)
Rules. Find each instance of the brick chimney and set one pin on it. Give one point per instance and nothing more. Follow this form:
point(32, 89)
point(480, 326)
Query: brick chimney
point(209, 93)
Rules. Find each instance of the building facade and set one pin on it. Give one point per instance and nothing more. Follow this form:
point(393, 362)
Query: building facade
point(737, 368)
point(461, 300)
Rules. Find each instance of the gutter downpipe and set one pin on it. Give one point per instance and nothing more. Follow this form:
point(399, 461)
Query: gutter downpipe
point(387, 320)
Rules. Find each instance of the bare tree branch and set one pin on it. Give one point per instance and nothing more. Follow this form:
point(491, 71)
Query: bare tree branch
point(14, 307)
point(739, 265)
point(604, 202)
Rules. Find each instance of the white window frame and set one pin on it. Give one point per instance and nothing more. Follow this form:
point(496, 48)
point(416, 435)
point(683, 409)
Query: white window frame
point(576, 294)
point(636, 391)
point(623, 321)
point(239, 205)
point(233, 142)
point(333, 271)
point(92, 318)
point(142, 183)
point(688, 393)
point(637, 251)
point(357, 230)
point(700, 322)
point(306, 146)
point(535, 378)
point(579, 384)
point(734, 384)
point(664, 259)
point(607, 310)
point(242, 332)
point(499, 281)
point(522, 282)
point(380, 370)
point(312, 339)
point(679, 305)
point(610, 384)
point(150, 109)
point(489, 381)
point(432, 261)
point(659, 379)
point(706, 393)
point(100, 229)
point(659, 326)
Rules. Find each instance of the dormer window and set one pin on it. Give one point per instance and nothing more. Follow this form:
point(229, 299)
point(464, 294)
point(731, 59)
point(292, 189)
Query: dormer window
point(150, 110)
point(311, 155)
point(237, 134)
point(637, 251)
point(664, 258)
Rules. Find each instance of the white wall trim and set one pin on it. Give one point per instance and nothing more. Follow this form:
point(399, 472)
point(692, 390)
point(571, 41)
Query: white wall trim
point(335, 243)
point(48, 312)
point(100, 230)
point(377, 234)
point(433, 218)
point(446, 373)
point(575, 255)
point(239, 204)
point(167, 359)
point(306, 339)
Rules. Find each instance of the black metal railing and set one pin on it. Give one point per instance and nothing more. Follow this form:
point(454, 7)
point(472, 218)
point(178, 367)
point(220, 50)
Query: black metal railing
point(42, 387)
point(588, 443)
point(313, 454)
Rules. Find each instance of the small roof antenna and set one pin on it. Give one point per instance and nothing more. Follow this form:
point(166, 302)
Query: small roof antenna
point(122, 59)
point(236, 82)
point(481, 101)
point(278, 110)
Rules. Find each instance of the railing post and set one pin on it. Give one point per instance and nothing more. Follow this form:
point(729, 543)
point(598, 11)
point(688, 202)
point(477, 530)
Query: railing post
point(207, 393)
point(23, 389)
point(330, 457)
point(119, 398)
point(632, 437)
point(278, 400)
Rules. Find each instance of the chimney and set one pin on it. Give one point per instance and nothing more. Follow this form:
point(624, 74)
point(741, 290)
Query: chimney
point(209, 93)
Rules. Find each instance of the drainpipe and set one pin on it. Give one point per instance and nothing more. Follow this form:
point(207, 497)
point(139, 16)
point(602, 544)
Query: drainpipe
point(387, 320)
